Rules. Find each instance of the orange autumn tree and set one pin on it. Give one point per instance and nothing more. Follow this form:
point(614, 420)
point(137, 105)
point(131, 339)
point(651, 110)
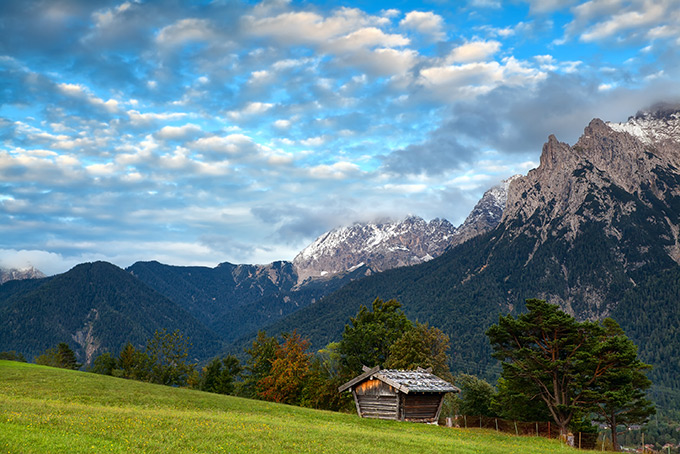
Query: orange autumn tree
point(289, 371)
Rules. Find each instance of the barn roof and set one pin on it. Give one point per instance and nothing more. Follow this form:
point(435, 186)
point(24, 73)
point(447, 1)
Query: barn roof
point(419, 380)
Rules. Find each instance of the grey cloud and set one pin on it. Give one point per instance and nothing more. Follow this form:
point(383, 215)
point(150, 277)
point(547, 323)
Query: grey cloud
point(295, 223)
point(441, 153)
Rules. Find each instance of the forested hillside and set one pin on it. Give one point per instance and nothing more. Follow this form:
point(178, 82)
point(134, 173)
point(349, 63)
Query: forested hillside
point(95, 307)
point(235, 300)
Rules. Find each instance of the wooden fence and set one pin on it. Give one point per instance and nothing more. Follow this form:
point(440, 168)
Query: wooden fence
point(540, 429)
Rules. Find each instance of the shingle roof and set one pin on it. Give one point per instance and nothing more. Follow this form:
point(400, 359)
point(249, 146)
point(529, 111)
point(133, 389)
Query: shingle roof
point(416, 381)
point(419, 380)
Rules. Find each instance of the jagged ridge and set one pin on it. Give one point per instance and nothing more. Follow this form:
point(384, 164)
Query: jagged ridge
point(387, 245)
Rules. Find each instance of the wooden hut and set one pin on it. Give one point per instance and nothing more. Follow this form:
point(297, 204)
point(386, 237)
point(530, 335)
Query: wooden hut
point(404, 395)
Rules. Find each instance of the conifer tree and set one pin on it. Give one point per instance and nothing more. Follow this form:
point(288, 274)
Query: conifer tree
point(574, 367)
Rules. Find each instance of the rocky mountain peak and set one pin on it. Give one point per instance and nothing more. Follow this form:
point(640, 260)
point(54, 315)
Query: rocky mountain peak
point(653, 126)
point(390, 244)
point(17, 274)
point(487, 213)
point(379, 246)
point(620, 177)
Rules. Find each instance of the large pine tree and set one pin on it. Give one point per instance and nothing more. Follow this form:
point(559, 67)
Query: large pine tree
point(575, 367)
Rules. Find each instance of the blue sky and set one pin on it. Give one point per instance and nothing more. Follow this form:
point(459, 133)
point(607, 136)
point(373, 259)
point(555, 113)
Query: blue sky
point(204, 132)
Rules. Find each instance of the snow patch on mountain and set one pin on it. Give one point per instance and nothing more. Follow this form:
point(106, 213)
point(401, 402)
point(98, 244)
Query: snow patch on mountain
point(385, 245)
point(656, 125)
point(17, 274)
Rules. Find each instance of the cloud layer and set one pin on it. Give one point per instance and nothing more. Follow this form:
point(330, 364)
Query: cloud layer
point(202, 133)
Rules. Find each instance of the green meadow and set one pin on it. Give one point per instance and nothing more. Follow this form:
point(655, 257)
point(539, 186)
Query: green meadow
point(48, 410)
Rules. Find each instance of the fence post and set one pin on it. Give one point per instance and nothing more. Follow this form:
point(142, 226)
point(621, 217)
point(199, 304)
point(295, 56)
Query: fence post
point(516, 431)
point(579, 440)
point(537, 429)
point(480, 421)
point(496, 424)
point(465, 418)
point(549, 435)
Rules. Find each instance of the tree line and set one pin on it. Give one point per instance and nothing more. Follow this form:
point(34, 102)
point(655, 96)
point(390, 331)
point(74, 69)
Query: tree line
point(554, 368)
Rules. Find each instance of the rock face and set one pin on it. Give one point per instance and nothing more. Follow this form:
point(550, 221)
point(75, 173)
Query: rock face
point(380, 246)
point(387, 245)
point(16, 274)
point(487, 214)
point(618, 186)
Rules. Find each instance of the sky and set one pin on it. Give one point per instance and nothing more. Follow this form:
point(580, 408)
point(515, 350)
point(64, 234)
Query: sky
point(195, 133)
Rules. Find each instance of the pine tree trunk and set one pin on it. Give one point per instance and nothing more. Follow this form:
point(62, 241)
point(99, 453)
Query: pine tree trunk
point(615, 441)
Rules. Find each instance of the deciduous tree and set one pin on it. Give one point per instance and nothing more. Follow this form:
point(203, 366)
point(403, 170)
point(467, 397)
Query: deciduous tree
point(476, 396)
point(369, 336)
point(261, 355)
point(423, 346)
point(289, 371)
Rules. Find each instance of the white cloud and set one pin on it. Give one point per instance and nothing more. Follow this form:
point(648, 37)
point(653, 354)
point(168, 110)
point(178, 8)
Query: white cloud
point(79, 91)
point(252, 108)
point(473, 79)
point(307, 27)
point(103, 19)
point(231, 145)
point(313, 141)
point(282, 124)
point(144, 119)
point(179, 132)
point(337, 171)
point(366, 37)
point(426, 23)
point(474, 51)
point(185, 30)
point(619, 20)
point(383, 62)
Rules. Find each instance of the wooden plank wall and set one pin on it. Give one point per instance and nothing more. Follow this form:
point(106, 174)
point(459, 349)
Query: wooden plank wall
point(421, 407)
point(380, 407)
point(377, 400)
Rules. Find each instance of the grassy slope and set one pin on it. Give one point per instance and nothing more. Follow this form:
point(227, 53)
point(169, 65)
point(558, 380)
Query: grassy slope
point(53, 410)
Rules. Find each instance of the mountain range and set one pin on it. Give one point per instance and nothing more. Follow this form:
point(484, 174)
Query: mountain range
point(595, 228)
point(229, 301)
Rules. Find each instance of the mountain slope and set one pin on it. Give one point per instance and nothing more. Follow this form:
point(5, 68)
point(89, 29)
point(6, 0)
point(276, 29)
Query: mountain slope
point(94, 307)
point(234, 300)
point(593, 228)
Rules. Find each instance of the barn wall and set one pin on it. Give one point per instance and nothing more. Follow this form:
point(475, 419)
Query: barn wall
point(376, 399)
point(421, 407)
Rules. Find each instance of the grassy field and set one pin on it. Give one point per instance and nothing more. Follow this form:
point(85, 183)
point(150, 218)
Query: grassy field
point(46, 410)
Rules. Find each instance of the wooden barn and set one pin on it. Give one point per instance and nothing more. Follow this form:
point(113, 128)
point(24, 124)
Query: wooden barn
point(404, 395)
